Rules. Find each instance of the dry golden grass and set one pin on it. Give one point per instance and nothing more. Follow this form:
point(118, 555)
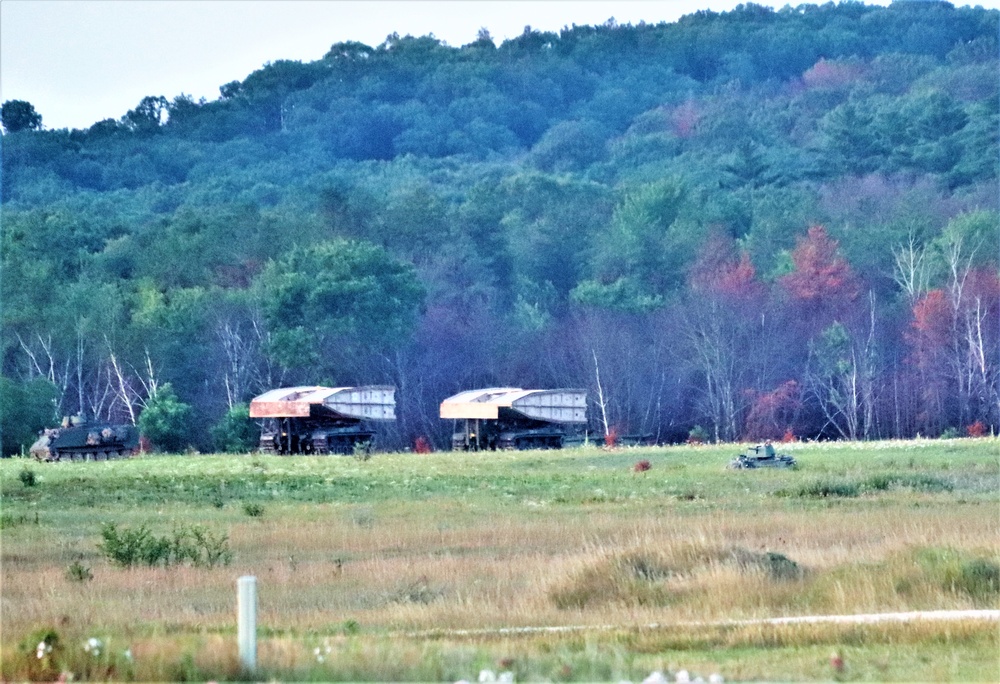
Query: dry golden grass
point(420, 563)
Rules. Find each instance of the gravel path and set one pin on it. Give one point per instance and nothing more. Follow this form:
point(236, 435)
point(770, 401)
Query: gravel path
point(871, 618)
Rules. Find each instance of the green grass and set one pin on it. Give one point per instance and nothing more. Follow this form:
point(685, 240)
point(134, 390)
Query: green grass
point(353, 555)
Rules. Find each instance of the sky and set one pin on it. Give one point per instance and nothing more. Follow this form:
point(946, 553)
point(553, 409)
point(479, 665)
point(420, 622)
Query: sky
point(81, 61)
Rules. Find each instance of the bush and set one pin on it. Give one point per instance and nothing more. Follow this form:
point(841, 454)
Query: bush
point(195, 545)
point(254, 510)
point(979, 578)
point(25, 408)
point(777, 566)
point(42, 649)
point(236, 433)
point(28, 478)
point(166, 420)
point(78, 572)
point(825, 488)
point(697, 435)
point(923, 483)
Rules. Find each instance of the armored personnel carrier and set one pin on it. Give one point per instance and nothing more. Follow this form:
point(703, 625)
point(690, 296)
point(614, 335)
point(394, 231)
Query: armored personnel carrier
point(762, 456)
point(515, 418)
point(78, 440)
point(321, 420)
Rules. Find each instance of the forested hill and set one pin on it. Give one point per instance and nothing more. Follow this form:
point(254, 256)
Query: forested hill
point(753, 224)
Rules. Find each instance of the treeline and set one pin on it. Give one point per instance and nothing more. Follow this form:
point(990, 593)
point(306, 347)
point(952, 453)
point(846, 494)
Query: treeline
point(753, 224)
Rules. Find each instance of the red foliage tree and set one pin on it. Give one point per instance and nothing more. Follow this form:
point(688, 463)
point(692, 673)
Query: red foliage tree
point(931, 327)
point(823, 282)
point(773, 413)
point(829, 75)
point(977, 429)
point(685, 118)
point(720, 270)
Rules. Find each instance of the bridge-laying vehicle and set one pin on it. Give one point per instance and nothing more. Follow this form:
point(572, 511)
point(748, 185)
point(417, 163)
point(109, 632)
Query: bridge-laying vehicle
point(515, 418)
point(322, 420)
point(80, 440)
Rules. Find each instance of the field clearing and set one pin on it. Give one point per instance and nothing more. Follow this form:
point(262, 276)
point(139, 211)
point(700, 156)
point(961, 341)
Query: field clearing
point(360, 562)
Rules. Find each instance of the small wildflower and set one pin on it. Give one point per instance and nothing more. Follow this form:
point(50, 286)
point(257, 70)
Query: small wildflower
point(683, 677)
point(505, 678)
point(93, 646)
point(655, 677)
point(487, 677)
point(44, 648)
point(128, 654)
point(715, 678)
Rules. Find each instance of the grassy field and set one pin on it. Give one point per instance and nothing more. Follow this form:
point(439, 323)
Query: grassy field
point(366, 570)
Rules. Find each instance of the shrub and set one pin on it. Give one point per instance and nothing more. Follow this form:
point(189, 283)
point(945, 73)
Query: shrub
point(636, 578)
point(950, 433)
point(825, 488)
point(979, 578)
point(42, 649)
point(775, 565)
point(254, 510)
point(642, 466)
point(166, 420)
point(236, 433)
point(128, 547)
point(977, 429)
point(28, 477)
point(419, 591)
point(78, 572)
point(362, 451)
point(195, 545)
point(697, 435)
point(8, 520)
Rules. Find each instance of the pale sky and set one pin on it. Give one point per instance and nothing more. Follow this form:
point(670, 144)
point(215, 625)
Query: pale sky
point(80, 61)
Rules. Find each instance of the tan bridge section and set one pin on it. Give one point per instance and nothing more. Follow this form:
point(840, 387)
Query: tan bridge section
point(557, 405)
point(371, 402)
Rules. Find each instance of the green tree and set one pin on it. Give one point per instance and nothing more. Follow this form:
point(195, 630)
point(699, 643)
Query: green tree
point(166, 420)
point(641, 257)
point(336, 300)
point(235, 433)
point(25, 408)
point(18, 115)
point(147, 115)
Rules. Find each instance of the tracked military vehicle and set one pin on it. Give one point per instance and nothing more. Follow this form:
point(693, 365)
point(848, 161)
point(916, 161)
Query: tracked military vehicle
point(515, 418)
point(78, 440)
point(321, 420)
point(762, 456)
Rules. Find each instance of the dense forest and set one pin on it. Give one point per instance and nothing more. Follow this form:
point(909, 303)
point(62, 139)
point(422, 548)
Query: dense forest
point(742, 225)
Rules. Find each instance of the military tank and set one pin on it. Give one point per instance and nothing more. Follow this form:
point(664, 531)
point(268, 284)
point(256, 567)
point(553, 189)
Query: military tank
point(79, 440)
point(762, 456)
point(514, 418)
point(321, 420)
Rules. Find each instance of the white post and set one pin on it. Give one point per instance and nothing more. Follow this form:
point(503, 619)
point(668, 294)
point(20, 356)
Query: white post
point(247, 624)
